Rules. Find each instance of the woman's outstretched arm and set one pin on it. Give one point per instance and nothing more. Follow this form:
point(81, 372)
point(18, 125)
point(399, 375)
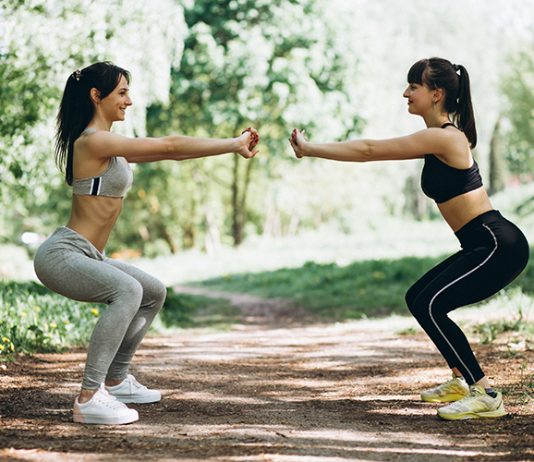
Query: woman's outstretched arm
point(430, 140)
point(175, 147)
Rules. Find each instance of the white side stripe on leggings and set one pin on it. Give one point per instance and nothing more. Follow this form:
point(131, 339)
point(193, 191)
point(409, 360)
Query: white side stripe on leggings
point(454, 282)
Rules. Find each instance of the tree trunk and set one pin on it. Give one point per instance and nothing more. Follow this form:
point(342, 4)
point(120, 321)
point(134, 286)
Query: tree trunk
point(189, 228)
point(416, 204)
point(497, 161)
point(237, 219)
point(167, 237)
point(240, 188)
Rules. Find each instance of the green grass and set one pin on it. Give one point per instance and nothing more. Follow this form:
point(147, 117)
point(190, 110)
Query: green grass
point(34, 319)
point(361, 289)
point(518, 321)
point(183, 310)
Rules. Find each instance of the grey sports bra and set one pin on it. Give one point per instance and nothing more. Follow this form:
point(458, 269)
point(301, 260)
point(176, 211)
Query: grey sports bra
point(112, 182)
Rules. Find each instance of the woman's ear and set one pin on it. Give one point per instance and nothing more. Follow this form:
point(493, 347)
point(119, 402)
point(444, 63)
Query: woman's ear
point(95, 95)
point(438, 95)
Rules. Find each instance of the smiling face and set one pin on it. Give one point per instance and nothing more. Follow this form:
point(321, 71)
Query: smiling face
point(420, 98)
point(114, 105)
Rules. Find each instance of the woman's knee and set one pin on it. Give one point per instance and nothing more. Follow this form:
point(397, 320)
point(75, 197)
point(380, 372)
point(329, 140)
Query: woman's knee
point(410, 296)
point(419, 306)
point(131, 291)
point(159, 293)
point(154, 294)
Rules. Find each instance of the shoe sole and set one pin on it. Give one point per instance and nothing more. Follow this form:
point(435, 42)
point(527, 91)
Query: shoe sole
point(99, 420)
point(443, 399)
point(474, 415)
point(128, 400)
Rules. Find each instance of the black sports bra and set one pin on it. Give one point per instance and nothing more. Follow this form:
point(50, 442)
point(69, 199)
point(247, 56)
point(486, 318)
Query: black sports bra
point(442, 182)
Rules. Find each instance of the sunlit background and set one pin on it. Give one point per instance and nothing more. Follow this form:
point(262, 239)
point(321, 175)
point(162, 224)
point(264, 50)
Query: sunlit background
point(212, 68)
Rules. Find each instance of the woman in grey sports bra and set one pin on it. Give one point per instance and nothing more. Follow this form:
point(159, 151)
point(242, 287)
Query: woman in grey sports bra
point(71, 261)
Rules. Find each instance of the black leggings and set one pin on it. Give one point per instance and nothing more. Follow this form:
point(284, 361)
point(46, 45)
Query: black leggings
point(494, 252)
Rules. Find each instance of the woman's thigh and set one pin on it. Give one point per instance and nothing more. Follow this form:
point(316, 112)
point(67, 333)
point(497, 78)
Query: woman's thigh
point(467, 280)
point(82, 278)
point(153, 288)
point(418, 286)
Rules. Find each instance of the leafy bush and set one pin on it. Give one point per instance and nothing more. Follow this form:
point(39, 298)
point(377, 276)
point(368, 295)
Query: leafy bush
point(34, 319)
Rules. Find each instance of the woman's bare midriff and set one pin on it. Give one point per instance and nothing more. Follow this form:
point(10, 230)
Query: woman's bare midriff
point(460, 210)
point(94, 217)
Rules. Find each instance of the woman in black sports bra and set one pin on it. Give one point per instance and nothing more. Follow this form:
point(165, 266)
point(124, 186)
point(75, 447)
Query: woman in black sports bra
point(493, 250)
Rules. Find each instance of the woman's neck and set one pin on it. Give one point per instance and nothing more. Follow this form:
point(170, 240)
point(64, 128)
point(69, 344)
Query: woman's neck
point(436, 119)
point(100, 123)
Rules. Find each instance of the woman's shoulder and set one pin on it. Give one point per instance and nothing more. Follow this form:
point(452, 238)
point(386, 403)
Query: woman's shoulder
point(92, 141)
point(458, 151)
point(93, 138)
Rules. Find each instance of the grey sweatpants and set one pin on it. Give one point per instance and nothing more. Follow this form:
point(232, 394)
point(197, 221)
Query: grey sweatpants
point(70, 265)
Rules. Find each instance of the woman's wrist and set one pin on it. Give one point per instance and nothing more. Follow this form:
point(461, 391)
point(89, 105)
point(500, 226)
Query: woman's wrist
point(235, 144)
point(306, 149)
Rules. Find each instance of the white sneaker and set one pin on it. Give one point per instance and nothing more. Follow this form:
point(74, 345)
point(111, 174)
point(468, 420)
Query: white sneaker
point(131, 391)
point(103, 409)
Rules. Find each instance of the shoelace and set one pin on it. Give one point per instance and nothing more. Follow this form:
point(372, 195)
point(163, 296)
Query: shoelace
point(111, 403)
point(108, 400)
point(473, 395)
point(134, 383)
point(443, 387)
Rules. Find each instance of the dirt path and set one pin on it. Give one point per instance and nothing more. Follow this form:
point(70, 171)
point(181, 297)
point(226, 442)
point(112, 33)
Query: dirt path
point(270, 389)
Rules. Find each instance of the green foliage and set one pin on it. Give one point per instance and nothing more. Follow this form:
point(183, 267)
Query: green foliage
point(518, 87)
point(34, 319)
point(361, 289)
point(245, 64)
point(41, 43)
point(489, 331)
point(20, 146)
point(317, 64)
point(519, 323)
point(497, 161)
point(183, 310)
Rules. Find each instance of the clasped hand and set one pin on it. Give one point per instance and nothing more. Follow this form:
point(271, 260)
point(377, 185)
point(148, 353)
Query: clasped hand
point(250, 138)
point(297, 142)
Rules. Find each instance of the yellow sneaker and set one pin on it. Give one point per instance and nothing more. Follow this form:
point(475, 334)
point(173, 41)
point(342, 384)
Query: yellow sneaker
point(452, 390)
point(477, 405)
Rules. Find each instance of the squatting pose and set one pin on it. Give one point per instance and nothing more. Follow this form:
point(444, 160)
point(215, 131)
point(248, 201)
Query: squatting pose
point(72, 262)
point(493, 250)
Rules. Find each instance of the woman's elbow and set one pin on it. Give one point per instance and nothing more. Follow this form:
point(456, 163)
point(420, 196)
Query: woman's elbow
point(169, 145)
point(366, 151)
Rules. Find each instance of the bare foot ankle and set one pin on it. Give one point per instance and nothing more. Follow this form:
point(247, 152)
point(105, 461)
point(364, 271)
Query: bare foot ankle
point(113, 382)
point(86, 395)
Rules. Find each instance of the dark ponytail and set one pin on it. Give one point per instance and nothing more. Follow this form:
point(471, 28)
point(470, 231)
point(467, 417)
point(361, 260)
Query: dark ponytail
point(77, 109)
point(454, 80)
point(464, 118)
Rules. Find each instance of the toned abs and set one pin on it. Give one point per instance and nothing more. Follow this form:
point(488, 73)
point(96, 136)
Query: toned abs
point(461, 209)
point(94, 217)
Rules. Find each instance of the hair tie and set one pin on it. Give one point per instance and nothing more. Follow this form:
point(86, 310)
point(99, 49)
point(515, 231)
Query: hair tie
point(76, 75)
